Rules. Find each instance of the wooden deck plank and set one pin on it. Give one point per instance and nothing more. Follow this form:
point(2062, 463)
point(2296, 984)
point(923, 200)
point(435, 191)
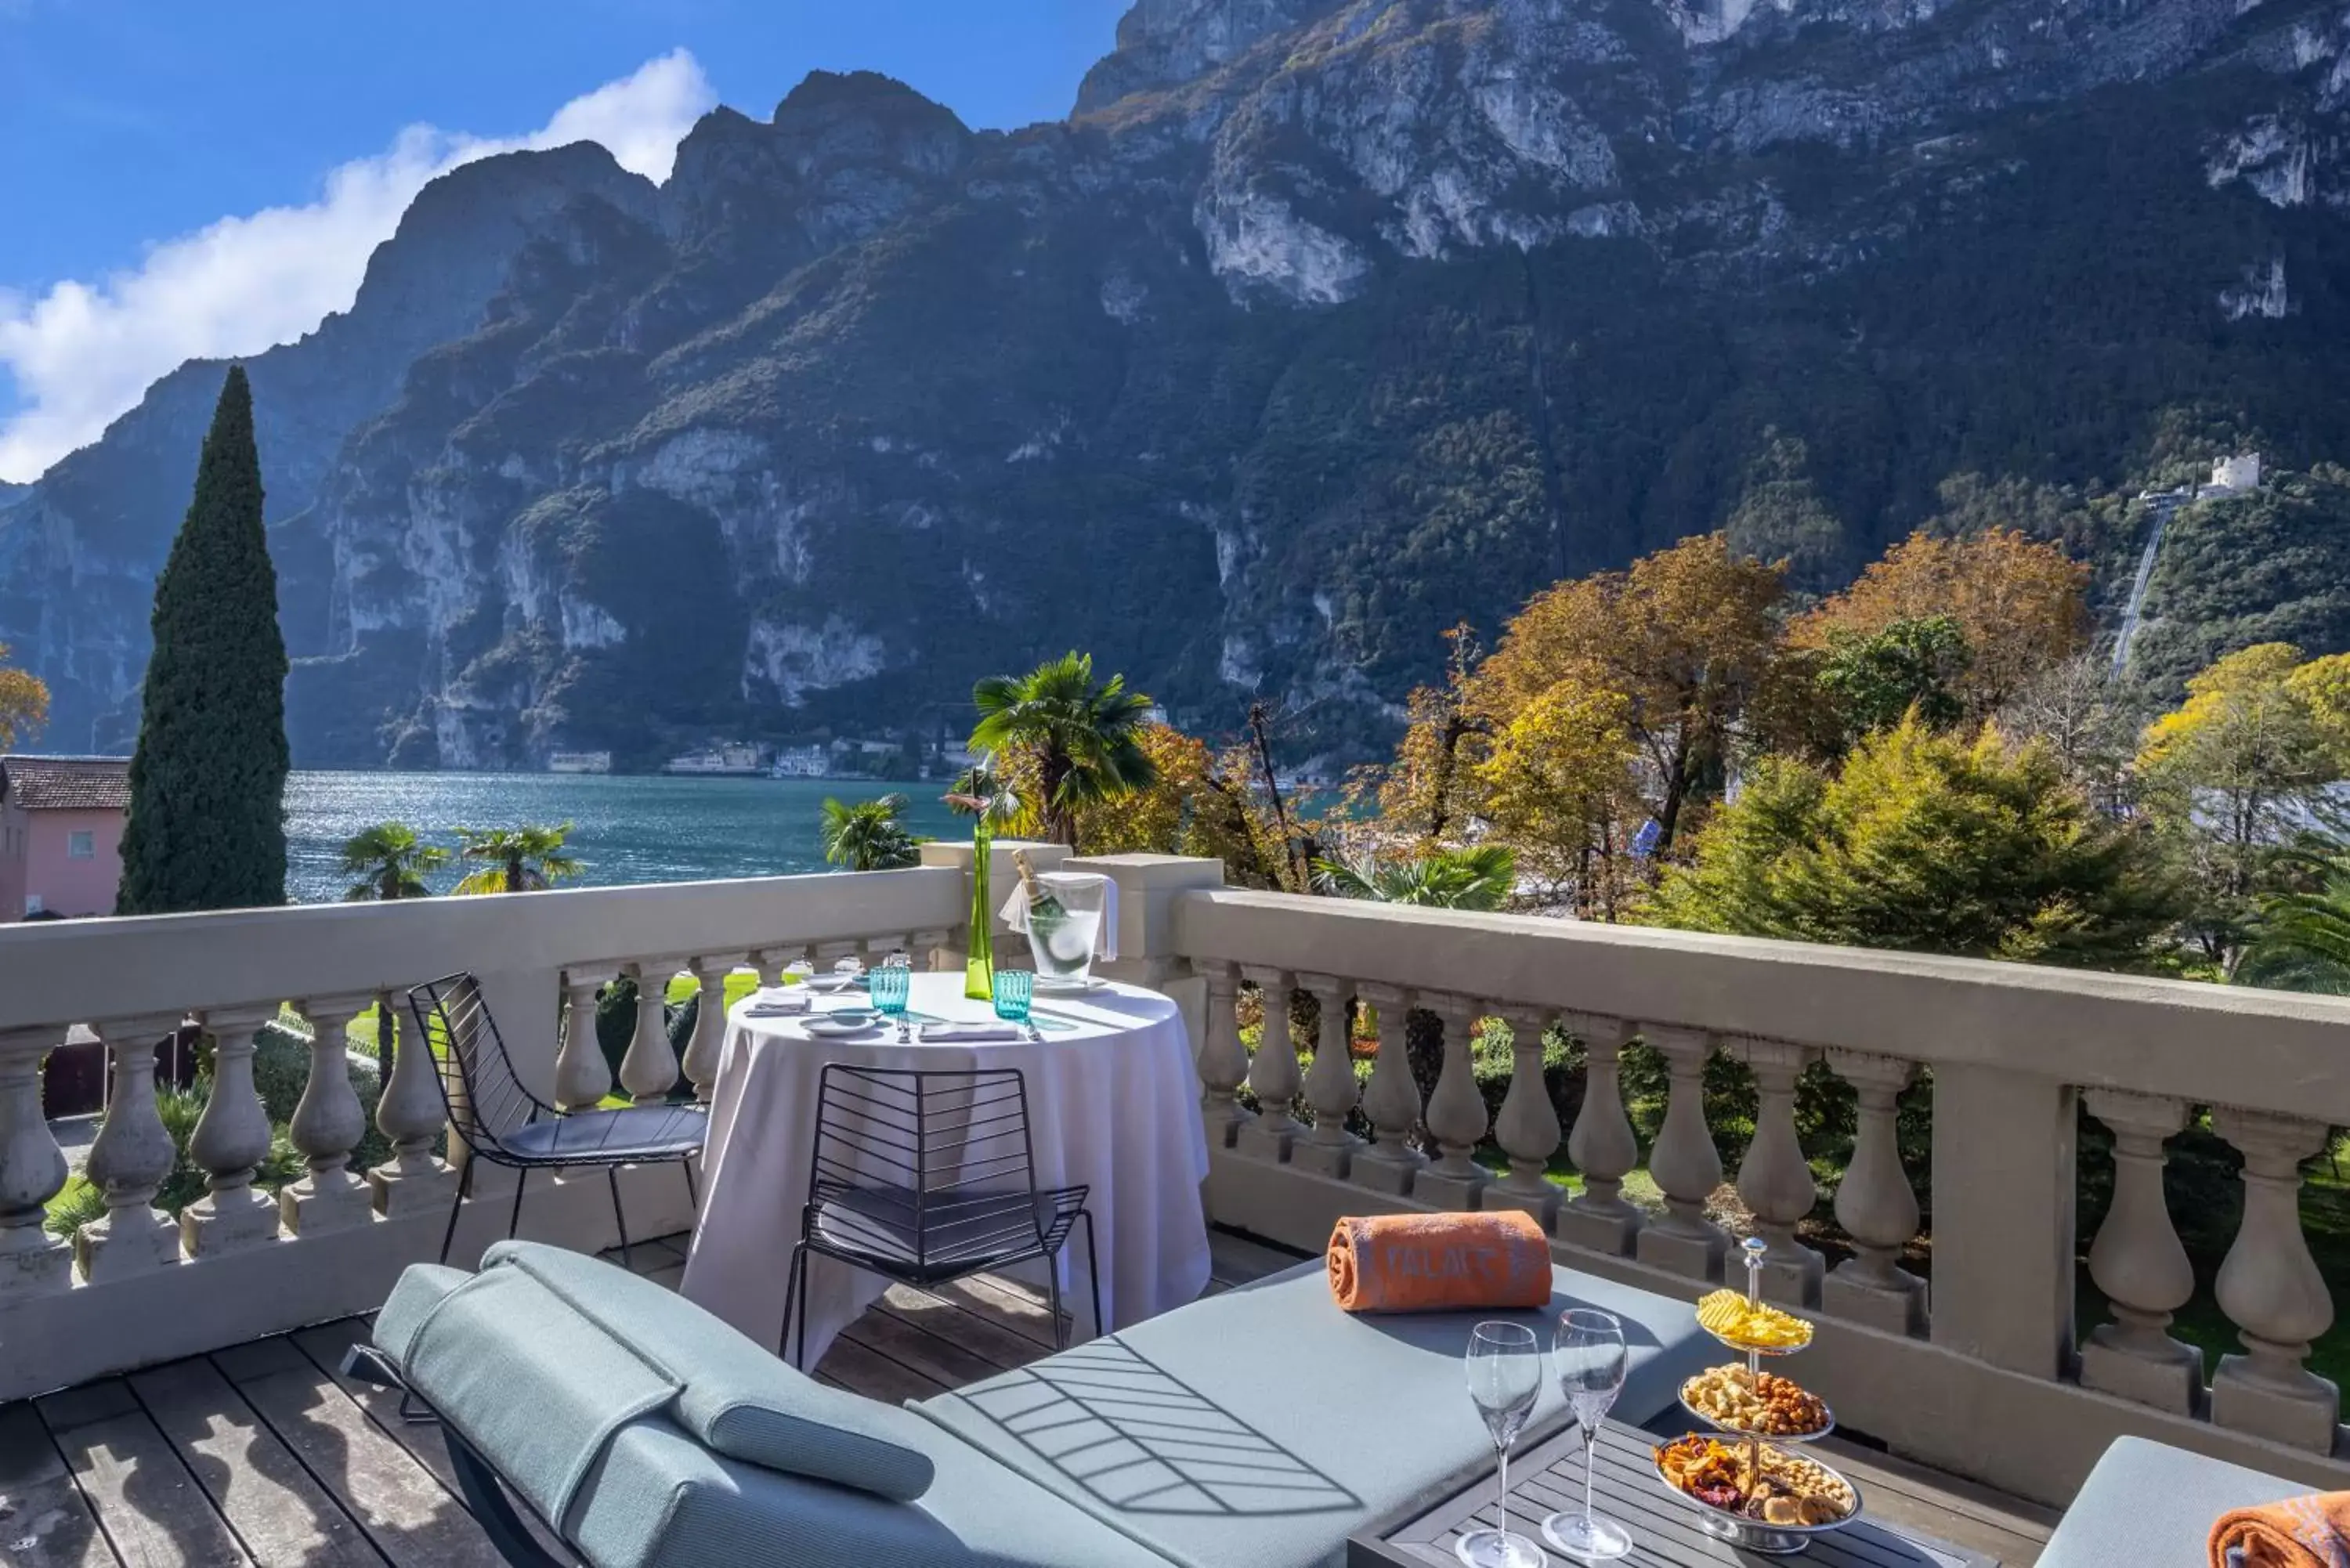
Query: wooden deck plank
point(940, 1359)
point(279, 1511)
point(407, 1513)
point(868, 1372)
point(324, 1346)
point(1004, 1348)
point(1004, 1302)
point(1238, 1259)
point(154, 1513)
point(45, 1520)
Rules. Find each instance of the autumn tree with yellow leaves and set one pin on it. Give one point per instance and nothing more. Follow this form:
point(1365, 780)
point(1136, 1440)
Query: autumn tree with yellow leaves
point(2017, 604)
point(23, 701)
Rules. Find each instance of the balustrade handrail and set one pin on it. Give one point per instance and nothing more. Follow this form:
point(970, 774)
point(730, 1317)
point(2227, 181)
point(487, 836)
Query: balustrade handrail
point(2262, 1050)
point(56, 973)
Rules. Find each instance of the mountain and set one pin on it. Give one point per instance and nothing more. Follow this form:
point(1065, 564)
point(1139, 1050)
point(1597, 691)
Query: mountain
point(1319, 325)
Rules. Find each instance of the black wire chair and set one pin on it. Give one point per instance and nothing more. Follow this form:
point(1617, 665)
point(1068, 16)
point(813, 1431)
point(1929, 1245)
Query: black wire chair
point(924, 1178)
point(502, 1122)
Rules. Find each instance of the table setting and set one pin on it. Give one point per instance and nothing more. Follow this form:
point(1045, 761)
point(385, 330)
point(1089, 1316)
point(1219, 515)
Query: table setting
point(1112, 1101)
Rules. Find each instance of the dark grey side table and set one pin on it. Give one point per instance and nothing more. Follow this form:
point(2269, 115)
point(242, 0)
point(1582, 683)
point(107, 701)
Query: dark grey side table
point(1664, 1528)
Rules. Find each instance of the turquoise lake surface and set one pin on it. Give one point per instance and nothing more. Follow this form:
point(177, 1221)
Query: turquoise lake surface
point(626, 829)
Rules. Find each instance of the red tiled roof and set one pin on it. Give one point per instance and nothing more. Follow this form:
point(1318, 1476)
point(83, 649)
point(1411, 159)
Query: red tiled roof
point(67, 784)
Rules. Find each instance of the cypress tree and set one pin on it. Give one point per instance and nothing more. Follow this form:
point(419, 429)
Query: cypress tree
point(207, 829)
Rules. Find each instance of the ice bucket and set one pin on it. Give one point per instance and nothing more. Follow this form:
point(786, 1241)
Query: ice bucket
point(1064, 945)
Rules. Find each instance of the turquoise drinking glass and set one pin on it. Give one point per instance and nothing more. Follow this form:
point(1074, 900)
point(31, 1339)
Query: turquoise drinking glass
point(892, 984)
point(1014, 987)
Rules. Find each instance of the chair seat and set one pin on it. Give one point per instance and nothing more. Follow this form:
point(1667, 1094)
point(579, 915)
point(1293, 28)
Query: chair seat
point(874, 1226)
point(634, 1132)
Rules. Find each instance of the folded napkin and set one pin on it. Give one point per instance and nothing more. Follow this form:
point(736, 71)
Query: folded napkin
point(1440, 1263)
point(946, 1031)
point(2298, 1532)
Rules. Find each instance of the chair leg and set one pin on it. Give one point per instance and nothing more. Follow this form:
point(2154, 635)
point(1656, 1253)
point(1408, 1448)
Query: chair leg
point(693, 1194)
point(456, 1205)
point(791, 1283)
point(627, 1253)
point(514, 1221)
point(1053, 1297)
point(1093, 1271)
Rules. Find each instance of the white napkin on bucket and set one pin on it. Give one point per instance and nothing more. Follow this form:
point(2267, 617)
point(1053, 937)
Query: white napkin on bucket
point(951, 1032)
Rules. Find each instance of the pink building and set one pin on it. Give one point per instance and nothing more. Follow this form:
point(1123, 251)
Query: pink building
point(61, 834)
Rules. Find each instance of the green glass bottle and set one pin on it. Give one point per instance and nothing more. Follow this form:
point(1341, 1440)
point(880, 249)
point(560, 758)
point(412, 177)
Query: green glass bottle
point(979, 960)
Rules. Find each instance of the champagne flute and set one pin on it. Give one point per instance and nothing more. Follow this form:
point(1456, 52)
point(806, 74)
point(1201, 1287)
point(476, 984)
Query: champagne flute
point(1588, 1355)
point(1505, 1380)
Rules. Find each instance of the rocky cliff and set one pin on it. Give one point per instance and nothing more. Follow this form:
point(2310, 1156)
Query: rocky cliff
point(1317, 327)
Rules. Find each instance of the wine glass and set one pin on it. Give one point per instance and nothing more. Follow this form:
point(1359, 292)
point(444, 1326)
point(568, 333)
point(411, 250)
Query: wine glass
point(1588, 1355)
point(1505, 1380)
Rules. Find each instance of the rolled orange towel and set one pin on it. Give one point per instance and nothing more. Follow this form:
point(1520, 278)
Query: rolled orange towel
point(2298, 1532)
point(1440, 1263)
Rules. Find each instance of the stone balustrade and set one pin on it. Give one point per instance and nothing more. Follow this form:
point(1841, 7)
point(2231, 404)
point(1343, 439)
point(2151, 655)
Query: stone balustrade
point(1979, 1371)
point(137, 1285)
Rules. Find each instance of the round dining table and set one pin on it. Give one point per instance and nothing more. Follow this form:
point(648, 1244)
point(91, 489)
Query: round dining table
point(1113, 1105)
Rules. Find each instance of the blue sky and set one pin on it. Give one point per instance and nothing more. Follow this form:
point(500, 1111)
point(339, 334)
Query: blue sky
point(182, 178)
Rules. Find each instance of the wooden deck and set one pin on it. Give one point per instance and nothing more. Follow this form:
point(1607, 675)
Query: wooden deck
point(262, 1454)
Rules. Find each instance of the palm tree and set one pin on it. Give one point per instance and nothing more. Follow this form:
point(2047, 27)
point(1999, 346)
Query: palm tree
point(868, 835)
point(1083, 737)
point(2302, 941)
point(389, 862)
point(516, 859)
point(1479, 878)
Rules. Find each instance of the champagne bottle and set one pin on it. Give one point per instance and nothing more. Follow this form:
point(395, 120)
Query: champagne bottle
point(1041, 905)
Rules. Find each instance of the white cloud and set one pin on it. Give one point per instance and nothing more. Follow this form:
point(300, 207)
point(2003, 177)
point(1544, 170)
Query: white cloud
point(82, 353)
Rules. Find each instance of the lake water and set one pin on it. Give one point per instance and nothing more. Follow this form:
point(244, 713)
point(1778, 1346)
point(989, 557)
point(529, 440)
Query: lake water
point(624, 829)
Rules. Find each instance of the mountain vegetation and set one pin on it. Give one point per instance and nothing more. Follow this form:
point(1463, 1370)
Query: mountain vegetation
point(1321, 328)
point(207, 824)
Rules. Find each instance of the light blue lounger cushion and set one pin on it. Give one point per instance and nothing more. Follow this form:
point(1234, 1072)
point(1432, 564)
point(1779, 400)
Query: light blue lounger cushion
point(2148, 1505)
point(654, 1497)
point(1263, 1425)
point(604, 1347)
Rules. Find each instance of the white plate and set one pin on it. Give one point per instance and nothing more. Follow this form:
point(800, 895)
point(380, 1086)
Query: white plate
point(837, 1028)
point(830, 982)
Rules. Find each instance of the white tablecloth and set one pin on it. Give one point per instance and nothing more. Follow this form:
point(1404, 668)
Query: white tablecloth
point(1113, 1103)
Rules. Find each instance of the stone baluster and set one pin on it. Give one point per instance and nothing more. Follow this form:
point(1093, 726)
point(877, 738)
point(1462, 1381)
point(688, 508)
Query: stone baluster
point(32, 1172)
point(824, 955)
point(232, 1140)
point(2138, 1262)
point(1456, 1111)
point(327, 1124)
point(2271, 1289)
point(1527, 1127)
point(771, 962)
point(1330, 1086)
point(650, 1069)
point(1774, 1181)
point(926, 949)
point(1602, 1148)
point(701, 1053)
point(411, 1114)
point(1876, 1204)
point(1223, 1065)
point(1391, 1100)
point(1685, 1164)
point(582, 1076)
point(131, 1159)
point(1272, 1074)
